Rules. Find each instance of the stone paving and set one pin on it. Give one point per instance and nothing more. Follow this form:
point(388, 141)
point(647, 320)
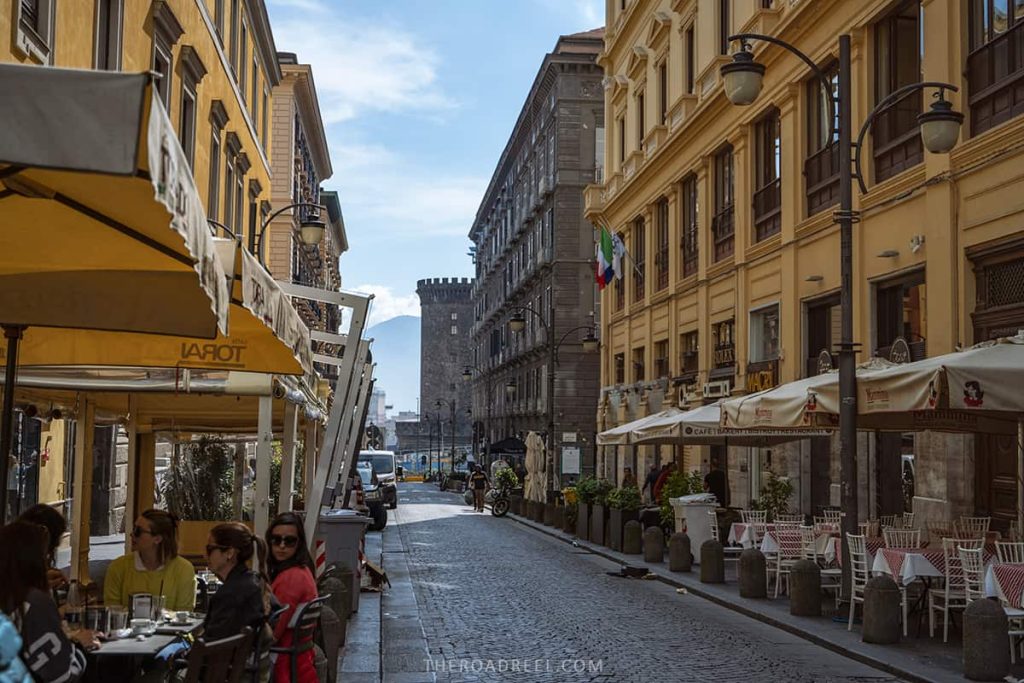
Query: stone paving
point(500, 602)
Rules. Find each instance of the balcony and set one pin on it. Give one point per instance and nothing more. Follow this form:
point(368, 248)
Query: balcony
point(655, 140)
point(995, 80)
point(593, 199)
point(633, 163)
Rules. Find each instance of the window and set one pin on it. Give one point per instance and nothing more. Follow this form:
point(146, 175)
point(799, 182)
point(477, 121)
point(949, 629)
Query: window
point(768, 192)
point(901, 313)
point(218, 19)
point(724, 343)
point(109, 22)
point(824, 327)
point(455, 330)
point(661, 254)
point(234, 35)
point(662, 93)
point(895, 133)
point(187, 122)
point(638, 364)
point(166, 32)
point(599, 154)
point(34, 22)
point(724, 24)
point(229, 190)
point(638, 257)
point(620, 368)
point(254, 100)
point(213, 198)
point(995, 62)
point(821, 168)
point(661, 368)
point(688, 361)
point(266, 117)
point(764, 334)
point(254, 193)
point(641, 124)
point(691, 52)
point(455, 316)
point(620, 288)
point(622, 140)
point(243, 59)
point(722, 223)
point(689, 224)
point(162, 66)
point(240, 169)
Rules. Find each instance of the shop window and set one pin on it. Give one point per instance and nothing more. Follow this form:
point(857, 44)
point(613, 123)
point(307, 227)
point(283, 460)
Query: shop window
point(764, 334)
point(768, 193)
point(689, 224)
point(824, 332)
point(724, 342)
point(995, 62)
point(895, 133)
point(821, 167)
point(901, 314)
point(722, 222)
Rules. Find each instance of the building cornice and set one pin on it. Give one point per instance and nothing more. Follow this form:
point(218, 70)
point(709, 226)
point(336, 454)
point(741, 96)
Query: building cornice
point(304, 93)
point(263, 38)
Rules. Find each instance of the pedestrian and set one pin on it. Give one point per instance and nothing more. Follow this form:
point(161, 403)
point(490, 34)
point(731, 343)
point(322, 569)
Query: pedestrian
point(666, 472)
point(479, 482)
point(290, 568)
point(714, 481)
point(521, 473)
point(628, 480)
point(649, 482)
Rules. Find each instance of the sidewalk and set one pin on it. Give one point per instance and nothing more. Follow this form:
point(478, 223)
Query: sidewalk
point(359, 659)
point(914, 659)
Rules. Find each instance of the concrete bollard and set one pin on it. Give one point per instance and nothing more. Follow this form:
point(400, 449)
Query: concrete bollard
point(680, 558)
point(753, 574)
point(549, 514)
point(986, 656)
point(805, 589)
point(558, 518)
point(568, 522)
point(882, 612)
point(536, 511)
point(631, 538)
point(654, 544)
point(712, 562)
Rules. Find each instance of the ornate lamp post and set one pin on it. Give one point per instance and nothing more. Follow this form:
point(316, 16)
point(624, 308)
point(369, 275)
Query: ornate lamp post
point(311, 228)
point(940, 129)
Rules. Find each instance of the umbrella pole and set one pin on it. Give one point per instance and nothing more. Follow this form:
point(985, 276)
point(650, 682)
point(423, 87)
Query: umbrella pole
point(13, 334)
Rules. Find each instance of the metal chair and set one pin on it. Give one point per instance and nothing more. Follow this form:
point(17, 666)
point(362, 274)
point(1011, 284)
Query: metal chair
point(902, 538)
point(303, 627)
point(221, 660)
point(259, 663)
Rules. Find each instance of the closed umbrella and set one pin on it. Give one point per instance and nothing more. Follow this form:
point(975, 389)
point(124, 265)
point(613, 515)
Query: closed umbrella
point(537, 481)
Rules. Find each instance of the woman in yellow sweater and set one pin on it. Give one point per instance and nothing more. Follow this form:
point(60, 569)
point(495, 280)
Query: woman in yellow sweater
point(153, 566)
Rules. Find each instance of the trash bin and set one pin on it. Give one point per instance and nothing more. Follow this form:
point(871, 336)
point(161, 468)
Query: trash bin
point(342, 531)
point(691, 514)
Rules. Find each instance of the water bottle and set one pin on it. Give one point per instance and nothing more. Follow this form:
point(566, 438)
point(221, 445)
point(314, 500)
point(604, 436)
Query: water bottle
point(74, 609)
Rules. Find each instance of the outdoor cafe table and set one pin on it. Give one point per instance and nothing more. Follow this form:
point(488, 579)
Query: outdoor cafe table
point(1006, 582)
point(907, 564)
point(833, 551)
point(741, 533)
point(113, 660)
point(770, 542)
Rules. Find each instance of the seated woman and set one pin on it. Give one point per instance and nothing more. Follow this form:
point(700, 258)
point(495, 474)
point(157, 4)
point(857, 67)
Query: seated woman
point(153, 566)
point(25, 598)
point(244, 596)
point(45, 516)
point(291, 572)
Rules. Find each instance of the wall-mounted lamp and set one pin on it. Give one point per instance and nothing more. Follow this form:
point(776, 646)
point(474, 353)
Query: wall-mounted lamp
point(888, 253)
point(814, 278)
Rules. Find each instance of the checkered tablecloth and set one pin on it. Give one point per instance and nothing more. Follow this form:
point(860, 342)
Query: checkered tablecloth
point(770, 542)
point(742, 534)
point(907, 564)
point(1006, 582)
point(834, 550)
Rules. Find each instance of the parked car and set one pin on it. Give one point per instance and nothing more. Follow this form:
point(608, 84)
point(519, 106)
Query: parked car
point(373, 495)
point(384, 467)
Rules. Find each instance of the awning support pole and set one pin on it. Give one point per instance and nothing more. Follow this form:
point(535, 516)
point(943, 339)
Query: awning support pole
point(291, 424)
point(131, 510)
point(81, 502)
point(1020, 477)
point(13, 335)
point(310, 450)
point(264, 453)
point(355, 432)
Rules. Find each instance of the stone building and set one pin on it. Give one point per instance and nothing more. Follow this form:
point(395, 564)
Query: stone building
point(728, 215)
point(446, 315)
point(534, 252)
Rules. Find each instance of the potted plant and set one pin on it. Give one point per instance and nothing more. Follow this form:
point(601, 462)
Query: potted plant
point(599, 511)
point(678, 484)
point(585, 491)
point(570, 500)
point(775, 495)
point(625, 504)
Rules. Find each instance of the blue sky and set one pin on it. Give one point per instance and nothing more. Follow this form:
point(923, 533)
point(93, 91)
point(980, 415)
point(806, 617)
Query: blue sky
point(418, 99)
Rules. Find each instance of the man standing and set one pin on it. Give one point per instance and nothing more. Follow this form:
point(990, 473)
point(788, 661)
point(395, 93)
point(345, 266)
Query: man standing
point(479, 482)
point(715, 482)
point(652, 479)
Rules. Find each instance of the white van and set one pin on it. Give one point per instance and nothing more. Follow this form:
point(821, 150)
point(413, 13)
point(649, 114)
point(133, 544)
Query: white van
point(384, 467)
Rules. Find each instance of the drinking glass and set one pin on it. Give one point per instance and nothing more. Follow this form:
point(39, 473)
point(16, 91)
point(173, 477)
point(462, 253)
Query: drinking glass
point(73, 617)
point(158, 608)
point(117, 617)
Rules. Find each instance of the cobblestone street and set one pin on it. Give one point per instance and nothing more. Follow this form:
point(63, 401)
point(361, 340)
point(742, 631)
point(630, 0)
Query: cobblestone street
point(493, 594)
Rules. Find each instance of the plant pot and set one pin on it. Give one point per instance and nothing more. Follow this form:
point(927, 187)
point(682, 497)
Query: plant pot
point(568, 519)
point(583, 521)
point(516, 504)
point(616, 521)
point(598, 524)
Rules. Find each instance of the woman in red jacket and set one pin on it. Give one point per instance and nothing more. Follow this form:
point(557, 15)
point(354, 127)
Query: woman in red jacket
point(291, 574)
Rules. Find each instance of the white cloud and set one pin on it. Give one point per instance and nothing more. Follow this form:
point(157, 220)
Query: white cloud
point(387, 304)
point(360, 67)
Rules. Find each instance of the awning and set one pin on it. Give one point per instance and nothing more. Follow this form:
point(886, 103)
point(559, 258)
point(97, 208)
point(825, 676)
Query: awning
point(101, 226)
point(267, 334)
point(621, 435)
point(702, 426)
point(510, 445)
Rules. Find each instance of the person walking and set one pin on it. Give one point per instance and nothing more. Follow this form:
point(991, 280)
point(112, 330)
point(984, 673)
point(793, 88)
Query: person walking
point(479, 482)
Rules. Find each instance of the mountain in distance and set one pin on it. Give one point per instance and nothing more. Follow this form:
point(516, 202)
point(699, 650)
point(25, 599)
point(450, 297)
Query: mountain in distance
point(396, 351)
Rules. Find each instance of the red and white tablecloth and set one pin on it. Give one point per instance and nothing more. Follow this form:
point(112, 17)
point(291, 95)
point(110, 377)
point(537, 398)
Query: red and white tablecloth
point(742, 534)
point(1006, 582)
point(907, 564)
point(834, 550)
point(770, 542)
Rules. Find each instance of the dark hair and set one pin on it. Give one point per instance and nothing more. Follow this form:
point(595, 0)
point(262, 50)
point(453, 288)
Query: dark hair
point(47, 517)
point(238, 536)
point(22, 564)
point(302, 558)
point(165, 525)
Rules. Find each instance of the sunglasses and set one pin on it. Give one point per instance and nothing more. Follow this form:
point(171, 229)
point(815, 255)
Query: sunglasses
point(284, 541)
point(211, 548)
point(138, 531)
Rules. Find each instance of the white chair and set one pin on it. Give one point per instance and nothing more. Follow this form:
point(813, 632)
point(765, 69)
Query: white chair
point(831, 577)
point(732, 552)
point(834, 517)
point(1012, 552)
point(754, 516)
point(890, 522)
point(790, 552)
point(974, 527)
point(902, 538)
point(858, 573)
point(908, 520)
point(798, 520)
point(954, 595)
point(974, 567)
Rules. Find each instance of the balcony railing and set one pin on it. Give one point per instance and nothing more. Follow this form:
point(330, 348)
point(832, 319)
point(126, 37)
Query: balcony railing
point(995, 80)
point(723, 229)
point(821, 173)
point(768, 210)
point(895, 137)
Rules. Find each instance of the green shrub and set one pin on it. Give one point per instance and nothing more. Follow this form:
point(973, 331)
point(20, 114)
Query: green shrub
point(678, 484)
point(626, 498)
point(586, 490)
point(506, 479)
point(775, 494)
point(601, 491)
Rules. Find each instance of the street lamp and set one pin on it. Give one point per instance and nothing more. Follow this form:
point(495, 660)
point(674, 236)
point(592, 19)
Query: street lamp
point(467, 375)
point(311, 228)
point(940, 128)
point(517, 323)
point(451, 405)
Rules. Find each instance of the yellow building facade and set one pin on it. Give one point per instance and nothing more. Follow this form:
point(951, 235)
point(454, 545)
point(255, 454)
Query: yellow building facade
point(218, 67)
point(731, 283)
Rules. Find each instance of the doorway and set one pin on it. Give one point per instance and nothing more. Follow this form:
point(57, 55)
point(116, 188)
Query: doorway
point(889, 490)
point(995, 479)
point(821, 473)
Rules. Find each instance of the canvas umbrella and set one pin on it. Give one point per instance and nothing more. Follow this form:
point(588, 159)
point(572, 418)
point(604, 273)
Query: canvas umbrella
point(702, 425)
point(622, 434)
point(101, 226)
point(535, 467)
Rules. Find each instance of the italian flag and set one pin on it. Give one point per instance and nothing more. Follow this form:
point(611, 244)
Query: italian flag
point(609, 253)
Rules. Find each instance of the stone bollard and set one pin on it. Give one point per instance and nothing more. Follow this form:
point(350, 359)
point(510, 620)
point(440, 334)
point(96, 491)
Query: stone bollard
point(631, 538)
point(538, 512)
point(882, 612)
point(985, 653)
point(549, 514)
point(654, 544)
point(805, 589)
point(680, 559)
point(558, 518)
point(333, 635)
point(568, 520)
point(753, 574)
point(712, 562)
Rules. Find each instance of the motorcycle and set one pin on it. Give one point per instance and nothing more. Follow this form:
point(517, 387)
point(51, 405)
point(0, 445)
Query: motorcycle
point(500, 502)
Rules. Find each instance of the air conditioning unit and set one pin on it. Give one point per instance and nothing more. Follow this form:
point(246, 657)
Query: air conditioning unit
point(686, 396)
point(716, 389)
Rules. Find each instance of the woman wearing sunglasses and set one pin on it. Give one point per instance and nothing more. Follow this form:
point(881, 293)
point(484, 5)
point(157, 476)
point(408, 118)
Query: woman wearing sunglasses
point(244, 598)
point(291, 572)
point(153, 566)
